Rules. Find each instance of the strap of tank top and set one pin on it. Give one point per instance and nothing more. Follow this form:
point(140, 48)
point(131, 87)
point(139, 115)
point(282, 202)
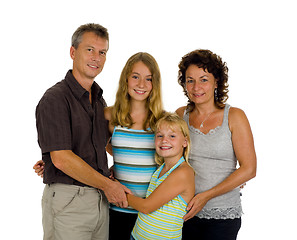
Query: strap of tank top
point(176, 165)
point(226, 114)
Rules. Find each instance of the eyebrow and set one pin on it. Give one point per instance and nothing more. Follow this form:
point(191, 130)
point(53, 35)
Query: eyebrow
point(203, 76)
point(199, 77)
point(90, 46)
point(139, 74)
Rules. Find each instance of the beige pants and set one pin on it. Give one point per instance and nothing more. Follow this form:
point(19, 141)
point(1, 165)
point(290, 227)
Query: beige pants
point(71, 212)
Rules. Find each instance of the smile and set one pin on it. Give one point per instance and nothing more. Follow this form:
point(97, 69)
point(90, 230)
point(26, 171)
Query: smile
point(165, 148)
point(93, 66)
point(197, 95)
point(139, 91)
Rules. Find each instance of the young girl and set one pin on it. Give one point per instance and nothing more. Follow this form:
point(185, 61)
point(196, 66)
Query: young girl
point(171, 187)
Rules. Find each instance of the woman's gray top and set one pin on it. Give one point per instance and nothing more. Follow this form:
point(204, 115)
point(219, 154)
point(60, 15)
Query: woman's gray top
point(213, 159)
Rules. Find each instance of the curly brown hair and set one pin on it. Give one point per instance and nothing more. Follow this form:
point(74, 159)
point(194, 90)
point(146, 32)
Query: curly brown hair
point(213, 64)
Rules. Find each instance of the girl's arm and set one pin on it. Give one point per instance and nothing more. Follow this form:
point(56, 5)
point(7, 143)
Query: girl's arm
point(180, 181)
point(39, 168)
point(243, 145)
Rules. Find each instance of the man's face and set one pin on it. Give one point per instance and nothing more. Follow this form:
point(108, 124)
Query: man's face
point(89, 57)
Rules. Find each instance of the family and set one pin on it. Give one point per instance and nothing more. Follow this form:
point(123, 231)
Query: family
point(175, 175)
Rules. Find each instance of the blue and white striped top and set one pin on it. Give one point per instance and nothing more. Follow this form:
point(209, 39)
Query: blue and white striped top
point(167, 221)
point(134, 160)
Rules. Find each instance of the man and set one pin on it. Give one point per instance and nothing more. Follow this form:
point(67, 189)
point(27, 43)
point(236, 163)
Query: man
point(72, 134)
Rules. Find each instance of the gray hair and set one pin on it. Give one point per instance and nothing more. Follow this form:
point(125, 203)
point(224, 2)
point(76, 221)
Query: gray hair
point(99, 30)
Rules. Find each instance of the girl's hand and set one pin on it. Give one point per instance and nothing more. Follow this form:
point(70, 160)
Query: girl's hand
point(111, 173)
point(195, 205)
point(39, 168)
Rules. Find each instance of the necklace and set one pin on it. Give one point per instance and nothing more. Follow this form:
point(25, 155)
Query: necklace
point(201, 125)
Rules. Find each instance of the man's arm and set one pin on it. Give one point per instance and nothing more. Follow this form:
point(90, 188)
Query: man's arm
point(77, 168)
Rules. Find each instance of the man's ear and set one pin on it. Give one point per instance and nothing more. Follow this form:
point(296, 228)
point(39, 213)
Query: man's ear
point(72, 52)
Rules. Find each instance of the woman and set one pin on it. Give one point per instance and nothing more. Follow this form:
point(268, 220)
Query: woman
point(221, 137)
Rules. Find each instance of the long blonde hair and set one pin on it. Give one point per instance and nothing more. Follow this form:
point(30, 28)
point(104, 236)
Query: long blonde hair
point(121, 109)
point(173, 120)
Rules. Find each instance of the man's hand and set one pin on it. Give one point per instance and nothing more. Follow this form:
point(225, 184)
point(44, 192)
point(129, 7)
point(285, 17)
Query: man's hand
point(116, 194)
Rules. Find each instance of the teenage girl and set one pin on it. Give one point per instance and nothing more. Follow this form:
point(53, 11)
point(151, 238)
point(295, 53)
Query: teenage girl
point(132, 120)
point(171, 186)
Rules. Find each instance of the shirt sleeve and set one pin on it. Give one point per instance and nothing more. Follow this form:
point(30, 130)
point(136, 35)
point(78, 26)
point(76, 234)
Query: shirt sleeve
point(53, 123)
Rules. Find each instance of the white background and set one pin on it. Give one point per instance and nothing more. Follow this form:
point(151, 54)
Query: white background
point(257, 39)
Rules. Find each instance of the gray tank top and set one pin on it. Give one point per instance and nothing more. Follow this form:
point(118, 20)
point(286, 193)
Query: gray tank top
point(213, 159)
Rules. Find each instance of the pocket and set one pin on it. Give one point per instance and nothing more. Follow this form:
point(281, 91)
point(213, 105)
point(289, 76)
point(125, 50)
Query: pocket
point(61, 200)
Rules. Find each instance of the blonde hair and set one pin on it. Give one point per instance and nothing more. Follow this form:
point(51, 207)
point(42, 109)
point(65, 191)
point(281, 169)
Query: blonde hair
point(173, 120)
point(121, 109)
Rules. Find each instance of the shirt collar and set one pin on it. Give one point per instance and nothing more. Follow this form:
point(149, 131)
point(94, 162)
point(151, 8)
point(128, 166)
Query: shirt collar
point(78, 90)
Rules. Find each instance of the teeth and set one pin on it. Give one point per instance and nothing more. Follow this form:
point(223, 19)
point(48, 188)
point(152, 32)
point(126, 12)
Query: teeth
point(165, 148)
point(141, 92)
point(92, 66)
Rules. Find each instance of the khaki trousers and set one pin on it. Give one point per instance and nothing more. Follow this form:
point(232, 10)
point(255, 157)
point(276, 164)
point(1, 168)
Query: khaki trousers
point(71, 212)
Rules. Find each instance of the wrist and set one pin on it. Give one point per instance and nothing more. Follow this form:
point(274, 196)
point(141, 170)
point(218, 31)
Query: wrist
point(105, 184)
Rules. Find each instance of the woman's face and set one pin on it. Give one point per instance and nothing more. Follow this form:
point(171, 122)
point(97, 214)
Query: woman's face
point(140, 82)
point(200, 85)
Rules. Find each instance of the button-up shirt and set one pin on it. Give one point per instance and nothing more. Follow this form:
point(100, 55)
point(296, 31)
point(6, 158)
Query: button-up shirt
point(66, 120)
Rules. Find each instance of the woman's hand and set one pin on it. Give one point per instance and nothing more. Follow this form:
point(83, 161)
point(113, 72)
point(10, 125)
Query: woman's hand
point(196, 205)
point(39, 168)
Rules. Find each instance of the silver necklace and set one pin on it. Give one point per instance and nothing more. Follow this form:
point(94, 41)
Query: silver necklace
point(201, 125)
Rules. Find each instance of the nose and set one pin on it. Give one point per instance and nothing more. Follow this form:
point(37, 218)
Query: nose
point(164, 139)
point(141, 82)
point(95, 56)
point(196, 85)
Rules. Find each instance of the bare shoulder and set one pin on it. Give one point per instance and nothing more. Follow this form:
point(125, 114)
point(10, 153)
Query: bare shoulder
point(237, 117)
point(107, 113)
point(185, 177)
point(184, 172)
point(180, 111)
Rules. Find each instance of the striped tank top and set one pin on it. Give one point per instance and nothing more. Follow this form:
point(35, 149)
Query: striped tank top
point(134, 160)
point(167, 221)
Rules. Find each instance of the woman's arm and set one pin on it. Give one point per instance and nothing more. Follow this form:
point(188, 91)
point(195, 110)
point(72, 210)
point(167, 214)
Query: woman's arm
point(180, 181)
point(243, 145)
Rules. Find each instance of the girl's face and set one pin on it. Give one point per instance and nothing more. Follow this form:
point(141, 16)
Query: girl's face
point(170, 141)
point(140, 82)
point(200, 84)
